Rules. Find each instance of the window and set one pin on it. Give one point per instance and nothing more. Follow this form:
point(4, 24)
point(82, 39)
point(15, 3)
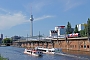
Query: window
point(41, 50)
point(53, 51)
point(75, 46)
point(84, 46)
point(81, 46)
point(87, 46)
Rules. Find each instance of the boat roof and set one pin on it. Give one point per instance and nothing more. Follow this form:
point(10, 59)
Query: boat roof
point(46, 48)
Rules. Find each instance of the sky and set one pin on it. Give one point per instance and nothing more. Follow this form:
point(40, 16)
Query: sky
point(15, 15)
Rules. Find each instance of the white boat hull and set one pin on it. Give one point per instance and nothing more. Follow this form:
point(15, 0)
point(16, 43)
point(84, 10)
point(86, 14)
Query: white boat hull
point(34, 53)
point(49, 51)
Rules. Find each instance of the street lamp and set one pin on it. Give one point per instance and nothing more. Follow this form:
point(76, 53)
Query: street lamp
point(57, 37)
point(66, 35)
point(39, 35)
point(27, 37)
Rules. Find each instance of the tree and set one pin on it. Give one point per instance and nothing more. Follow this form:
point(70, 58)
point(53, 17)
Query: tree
point(7, 41)
point(76, 29)
point(85, 29)
point(88, 27)
point(69, 29)
point(82, 33)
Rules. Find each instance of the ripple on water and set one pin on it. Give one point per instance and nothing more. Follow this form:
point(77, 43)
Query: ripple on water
point(14, 53)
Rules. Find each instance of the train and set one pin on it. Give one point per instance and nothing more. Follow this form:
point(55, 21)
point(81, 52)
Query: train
point(73, 35)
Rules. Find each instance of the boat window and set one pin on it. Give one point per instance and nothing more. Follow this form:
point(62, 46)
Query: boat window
point(49, 50)
point(34, 52)
point(41, 50)
point(28, 51)
point(53, 51)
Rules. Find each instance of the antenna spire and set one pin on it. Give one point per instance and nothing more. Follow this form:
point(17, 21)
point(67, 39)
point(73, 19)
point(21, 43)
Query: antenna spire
point(31, 10)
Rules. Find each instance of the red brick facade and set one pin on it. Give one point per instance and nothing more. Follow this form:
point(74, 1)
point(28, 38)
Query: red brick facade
point(70, 44)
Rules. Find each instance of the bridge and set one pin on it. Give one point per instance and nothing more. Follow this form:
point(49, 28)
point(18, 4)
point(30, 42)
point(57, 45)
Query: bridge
point(50, 39)
point(80, 43)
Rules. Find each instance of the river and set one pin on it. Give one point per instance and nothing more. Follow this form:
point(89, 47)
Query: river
point(15, 53)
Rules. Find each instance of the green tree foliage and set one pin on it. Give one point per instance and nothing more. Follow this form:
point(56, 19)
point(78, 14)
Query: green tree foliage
point(82, 33)
point(86, 31)
point(69, 29)
point(85, 25)
point(88, 27)
point(76, 29)
point(7, 41)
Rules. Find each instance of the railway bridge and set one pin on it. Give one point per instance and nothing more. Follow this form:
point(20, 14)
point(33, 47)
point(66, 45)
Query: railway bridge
point(81, 43)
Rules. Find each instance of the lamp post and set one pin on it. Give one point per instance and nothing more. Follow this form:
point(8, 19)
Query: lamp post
point(27, 37)
point(39, 35)
point(39, 38)
point(57, 37)
point(66, 35)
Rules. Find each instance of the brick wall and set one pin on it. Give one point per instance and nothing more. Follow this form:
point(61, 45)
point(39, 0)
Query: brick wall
point(83, 45)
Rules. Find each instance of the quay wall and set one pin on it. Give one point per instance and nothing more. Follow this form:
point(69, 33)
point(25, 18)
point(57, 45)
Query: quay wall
point(79, 44)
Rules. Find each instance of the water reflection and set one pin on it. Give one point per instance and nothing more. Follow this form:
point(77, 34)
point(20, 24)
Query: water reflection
point(77, 52)
point(14, 53)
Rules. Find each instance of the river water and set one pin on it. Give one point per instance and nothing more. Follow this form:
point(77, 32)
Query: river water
point(15, 53)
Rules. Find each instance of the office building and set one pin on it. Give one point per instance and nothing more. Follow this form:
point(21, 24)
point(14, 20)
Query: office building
point(80, 27)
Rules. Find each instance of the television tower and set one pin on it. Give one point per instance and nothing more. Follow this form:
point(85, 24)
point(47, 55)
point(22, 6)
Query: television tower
point(31, 27)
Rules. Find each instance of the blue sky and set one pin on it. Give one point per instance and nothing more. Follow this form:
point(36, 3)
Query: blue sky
point(15, 15)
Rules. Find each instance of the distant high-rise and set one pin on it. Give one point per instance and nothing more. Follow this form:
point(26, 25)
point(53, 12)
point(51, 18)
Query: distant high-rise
point(80, 27)
point(31, 29)
point(1, 36)
point(53, 33)
point(60, 30)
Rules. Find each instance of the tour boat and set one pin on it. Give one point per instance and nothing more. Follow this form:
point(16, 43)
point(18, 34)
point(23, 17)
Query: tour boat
point(33, 52)
point(49, 50)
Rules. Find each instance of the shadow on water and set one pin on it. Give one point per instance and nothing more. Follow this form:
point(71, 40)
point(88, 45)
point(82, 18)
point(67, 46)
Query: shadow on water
point(74, 56)
point(77, 54)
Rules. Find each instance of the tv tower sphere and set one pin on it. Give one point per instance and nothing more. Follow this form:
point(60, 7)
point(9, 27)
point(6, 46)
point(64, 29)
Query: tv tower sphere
point(31, 18)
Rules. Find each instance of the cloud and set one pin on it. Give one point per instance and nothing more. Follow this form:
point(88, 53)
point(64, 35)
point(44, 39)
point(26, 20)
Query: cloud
point(37, 6)
point(69, 4)
point(43, 17)
point(1, 9)
point(9, 20)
